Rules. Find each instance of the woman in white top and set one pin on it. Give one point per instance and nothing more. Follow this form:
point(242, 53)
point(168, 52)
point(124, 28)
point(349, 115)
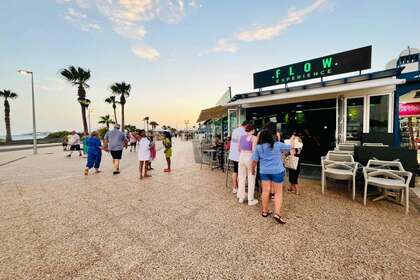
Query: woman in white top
point(143, 154)
point(297, 145)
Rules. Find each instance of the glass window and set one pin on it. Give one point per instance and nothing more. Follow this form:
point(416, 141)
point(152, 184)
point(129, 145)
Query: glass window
point(354, 118)
point(379, 113)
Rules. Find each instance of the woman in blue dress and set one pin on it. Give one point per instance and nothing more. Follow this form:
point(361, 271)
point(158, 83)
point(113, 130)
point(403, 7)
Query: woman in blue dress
point(94, 152)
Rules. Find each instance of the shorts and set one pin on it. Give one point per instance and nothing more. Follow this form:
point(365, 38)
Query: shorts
point(75, 147)
point(168, 153)
point(235, 166)
point(116, 154)
point(276, 178)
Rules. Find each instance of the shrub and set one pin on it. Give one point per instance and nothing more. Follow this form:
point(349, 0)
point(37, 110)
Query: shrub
point(58, 134)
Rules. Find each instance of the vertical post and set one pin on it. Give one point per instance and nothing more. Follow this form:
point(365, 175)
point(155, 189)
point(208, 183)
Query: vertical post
point(35, 144)
point(396, 126)
point(89, 120)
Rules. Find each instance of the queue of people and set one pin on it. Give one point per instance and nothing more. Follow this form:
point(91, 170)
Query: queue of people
point(261, 157)
point(115, 141)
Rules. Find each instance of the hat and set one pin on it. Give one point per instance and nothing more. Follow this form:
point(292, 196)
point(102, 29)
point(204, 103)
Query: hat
point(117, 126)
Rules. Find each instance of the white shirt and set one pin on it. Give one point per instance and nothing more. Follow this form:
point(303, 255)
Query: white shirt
point(234, 150)
point(75, 139)
point(144, 149)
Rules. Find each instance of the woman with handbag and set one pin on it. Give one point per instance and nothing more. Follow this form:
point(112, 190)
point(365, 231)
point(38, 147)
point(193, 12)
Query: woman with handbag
point(297, 145)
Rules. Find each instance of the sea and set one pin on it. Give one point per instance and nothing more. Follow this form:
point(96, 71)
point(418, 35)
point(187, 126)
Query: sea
point(26, 136)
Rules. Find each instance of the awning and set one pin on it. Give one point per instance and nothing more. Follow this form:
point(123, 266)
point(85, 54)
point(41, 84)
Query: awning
point(213, 113)
point(321, 91)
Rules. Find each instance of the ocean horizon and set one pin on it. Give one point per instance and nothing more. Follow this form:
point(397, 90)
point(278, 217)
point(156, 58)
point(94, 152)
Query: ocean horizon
point(26, 136)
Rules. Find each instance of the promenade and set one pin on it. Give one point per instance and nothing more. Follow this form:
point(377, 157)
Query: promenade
point(56, 223)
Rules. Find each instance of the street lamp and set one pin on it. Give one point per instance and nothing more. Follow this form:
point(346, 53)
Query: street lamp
point(27, 72)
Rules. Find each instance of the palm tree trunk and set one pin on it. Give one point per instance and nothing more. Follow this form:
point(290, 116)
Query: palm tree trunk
point(7, 121)
point(122, 117)
point(115, 113)
point(85, 126)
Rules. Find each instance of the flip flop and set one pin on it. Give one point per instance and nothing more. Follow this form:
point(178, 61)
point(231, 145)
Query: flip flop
point(266, 214)
point(279, 219)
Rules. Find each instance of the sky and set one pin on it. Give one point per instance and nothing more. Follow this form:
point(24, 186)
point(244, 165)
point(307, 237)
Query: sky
point(180, 56)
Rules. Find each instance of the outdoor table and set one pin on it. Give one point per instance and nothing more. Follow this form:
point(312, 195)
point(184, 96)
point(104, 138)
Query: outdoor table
point(210, 156)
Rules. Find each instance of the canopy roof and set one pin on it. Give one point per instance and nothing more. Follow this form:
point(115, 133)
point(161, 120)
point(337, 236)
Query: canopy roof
point(212, 113)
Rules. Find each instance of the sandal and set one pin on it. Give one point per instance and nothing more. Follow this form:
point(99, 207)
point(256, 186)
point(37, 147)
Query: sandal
point(279, 219)
point(266, 214)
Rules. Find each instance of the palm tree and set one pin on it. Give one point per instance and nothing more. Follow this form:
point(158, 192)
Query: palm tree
point(78, 77)
point(114, 102)
point(123, 90)
point(146, 119)
point(7, 94)
point(154, 125)
point(106, 120)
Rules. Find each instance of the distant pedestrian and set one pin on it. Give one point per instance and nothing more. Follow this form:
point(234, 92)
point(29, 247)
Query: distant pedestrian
point(114, 142)
point(65, 143)
point(84, 142)
point(74, 143)
point(268, 154)
point(94, 152)
point(143, 154)
point(133, 141)
point(152, 151)
point(167, 144)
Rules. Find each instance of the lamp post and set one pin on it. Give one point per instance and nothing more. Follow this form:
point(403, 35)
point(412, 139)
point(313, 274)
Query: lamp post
point(35, 144)
point(90, 110)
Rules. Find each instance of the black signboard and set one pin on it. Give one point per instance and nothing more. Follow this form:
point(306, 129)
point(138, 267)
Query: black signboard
point(349, 61)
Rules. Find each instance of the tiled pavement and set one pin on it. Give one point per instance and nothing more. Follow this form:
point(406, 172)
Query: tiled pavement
point(56, 223)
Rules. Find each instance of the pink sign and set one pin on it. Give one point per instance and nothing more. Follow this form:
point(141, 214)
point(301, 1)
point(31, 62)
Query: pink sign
point(409, 109)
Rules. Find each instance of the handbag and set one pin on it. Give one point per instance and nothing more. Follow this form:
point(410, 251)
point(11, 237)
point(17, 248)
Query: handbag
point(291, 162)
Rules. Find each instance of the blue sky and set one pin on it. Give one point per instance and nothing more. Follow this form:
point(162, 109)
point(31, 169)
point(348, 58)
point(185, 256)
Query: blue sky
point(179, 55)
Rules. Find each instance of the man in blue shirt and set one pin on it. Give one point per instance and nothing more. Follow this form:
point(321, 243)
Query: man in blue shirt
point(114, 142)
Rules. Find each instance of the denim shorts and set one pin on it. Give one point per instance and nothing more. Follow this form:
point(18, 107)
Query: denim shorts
point(276, 178)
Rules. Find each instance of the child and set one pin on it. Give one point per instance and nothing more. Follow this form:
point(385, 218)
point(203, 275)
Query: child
point(143, 154)
point(167, 143)
point(94, 152)
point(133, 141)
point(152, 151)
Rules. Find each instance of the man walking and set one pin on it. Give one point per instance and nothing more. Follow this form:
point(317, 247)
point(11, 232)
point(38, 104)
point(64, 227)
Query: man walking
point(234, 153)
point(74, 143)
point(114, 142)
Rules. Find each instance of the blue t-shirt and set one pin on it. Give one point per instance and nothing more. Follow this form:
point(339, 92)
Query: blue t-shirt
point(94, 145)
point(115, 139)
point(270, 158)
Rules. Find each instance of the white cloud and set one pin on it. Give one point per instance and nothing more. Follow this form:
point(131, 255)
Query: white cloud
point(261, 33)
point(128, 18)
point(225, 45)
point(81, 20)
point(145, 52)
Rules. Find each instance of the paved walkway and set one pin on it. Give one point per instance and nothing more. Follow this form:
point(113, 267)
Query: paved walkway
point(56, 223)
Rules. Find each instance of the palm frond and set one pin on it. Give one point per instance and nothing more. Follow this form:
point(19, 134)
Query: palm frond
point(8, 94)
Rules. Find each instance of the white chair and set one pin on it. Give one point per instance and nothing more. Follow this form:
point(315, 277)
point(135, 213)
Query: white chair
point(339, 166)
point(389, 176)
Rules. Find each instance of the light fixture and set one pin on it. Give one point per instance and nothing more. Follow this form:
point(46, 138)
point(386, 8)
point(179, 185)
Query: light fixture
point(298, 112)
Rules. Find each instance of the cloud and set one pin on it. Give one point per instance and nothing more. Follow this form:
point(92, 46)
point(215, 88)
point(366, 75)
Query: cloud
point(81, 20)
point(225, 45)
point(262, 33)
point(129, 18)
point(145, 52)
